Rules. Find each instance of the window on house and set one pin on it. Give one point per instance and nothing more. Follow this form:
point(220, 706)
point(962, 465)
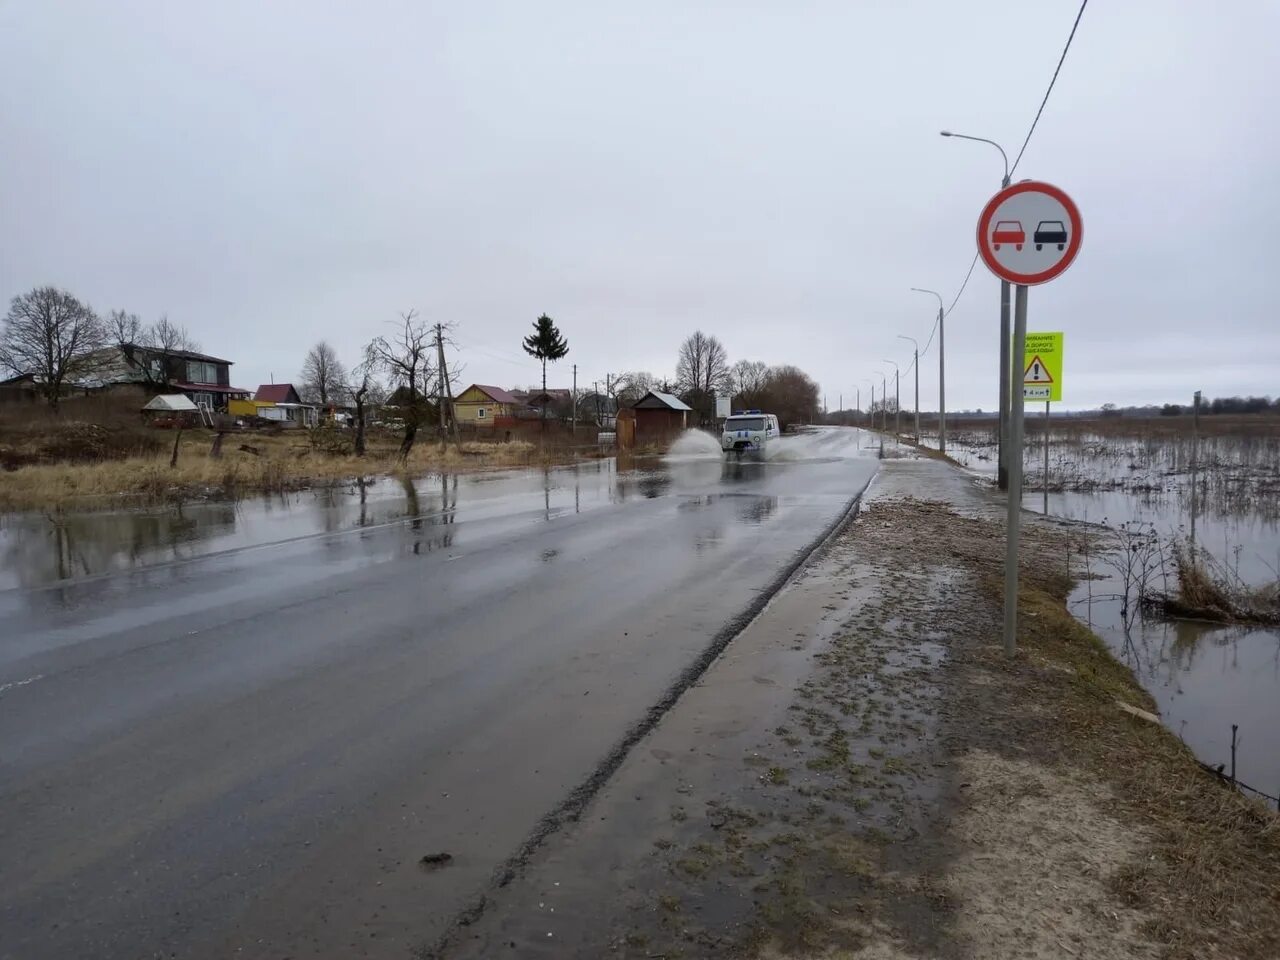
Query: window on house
point(479, 413)
point(205, 398)
point(200, 372)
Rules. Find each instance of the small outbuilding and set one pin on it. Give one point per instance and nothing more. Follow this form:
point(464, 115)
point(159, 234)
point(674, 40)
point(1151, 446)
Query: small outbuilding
point(656, 419)
point(170, 410)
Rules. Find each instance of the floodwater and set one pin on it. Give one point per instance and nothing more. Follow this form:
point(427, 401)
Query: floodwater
point(37, 548)
point(1204, 677)
point(425, 666)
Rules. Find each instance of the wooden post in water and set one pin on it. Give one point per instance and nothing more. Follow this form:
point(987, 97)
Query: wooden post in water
point(1195, 459)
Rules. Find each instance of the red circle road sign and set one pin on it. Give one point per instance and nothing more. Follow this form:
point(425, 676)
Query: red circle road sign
point(1029, 232)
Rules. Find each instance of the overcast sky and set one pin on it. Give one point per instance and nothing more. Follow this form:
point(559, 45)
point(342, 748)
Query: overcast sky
point(270, 174)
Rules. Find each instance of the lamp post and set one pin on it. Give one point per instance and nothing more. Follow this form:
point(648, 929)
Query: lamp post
point(897, 398)
point(916, 362)
point(884, 399)
point(871, 407)
point(942, 372)
point(1002, 469)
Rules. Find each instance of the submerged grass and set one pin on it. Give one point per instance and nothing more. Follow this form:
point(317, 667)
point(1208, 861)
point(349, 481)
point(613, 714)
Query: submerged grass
point(277, 463)
point(1208, 590)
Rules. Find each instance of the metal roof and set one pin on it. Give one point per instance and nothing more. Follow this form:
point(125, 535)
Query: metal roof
point(274, 392)
point(496, 394)
point(669, 400)
point(182, 354)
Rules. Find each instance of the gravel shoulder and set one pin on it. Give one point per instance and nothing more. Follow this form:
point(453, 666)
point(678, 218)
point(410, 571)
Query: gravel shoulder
point(862, 773)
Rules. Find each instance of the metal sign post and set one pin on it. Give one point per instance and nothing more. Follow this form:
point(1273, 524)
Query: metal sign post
point(1028, 234)
point(1046, 458)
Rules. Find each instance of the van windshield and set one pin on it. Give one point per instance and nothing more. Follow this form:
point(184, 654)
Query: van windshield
point(744, 423)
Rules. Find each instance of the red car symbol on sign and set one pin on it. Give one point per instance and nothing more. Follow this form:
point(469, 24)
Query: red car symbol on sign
point(1008, 231)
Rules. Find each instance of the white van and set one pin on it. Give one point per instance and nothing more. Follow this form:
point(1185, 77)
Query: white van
point(749, 430)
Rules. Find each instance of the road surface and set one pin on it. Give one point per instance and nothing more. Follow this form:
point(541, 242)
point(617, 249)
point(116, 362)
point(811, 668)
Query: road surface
point(250, 753)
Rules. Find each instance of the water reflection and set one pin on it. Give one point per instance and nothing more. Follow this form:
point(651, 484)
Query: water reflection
point(1204, 678)
point(38, 549)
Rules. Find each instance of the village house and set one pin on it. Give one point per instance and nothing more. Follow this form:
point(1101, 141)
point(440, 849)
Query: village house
point(484, 406)
point(201, 378)
point(279, 403)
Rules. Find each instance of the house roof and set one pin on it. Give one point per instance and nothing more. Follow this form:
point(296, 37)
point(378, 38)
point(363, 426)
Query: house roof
point(184, 354)
point(496, 394)
point(209, 388)
point(275, 392)
point(668, 400)
point(172, 402)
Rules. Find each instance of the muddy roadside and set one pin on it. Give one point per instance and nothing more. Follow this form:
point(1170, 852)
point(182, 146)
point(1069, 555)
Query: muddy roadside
point(863, 774)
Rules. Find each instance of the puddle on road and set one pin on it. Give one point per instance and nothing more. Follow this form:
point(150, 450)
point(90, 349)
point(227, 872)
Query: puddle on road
point(38, 548)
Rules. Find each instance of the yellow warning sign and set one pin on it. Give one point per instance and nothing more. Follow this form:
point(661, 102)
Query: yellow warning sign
point(1042, 366)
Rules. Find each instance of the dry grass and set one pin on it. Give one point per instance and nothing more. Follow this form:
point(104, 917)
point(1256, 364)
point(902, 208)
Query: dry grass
point(1207, 590)
point(284, 462)
point(1213, 866)
point(1208, 867)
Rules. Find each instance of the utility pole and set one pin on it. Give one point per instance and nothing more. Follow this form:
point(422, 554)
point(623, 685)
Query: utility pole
point(445, 392)
point(574, 421)
point(440, 382)
point(942, 384)
point(915, 360)
point(840, 409)
point(897, 402)
point(858, 407)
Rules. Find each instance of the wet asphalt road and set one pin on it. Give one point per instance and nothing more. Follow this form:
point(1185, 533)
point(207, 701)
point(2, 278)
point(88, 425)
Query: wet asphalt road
point(249, 753)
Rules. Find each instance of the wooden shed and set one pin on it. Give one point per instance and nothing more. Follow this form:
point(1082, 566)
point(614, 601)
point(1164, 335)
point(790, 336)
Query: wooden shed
point(659, 418)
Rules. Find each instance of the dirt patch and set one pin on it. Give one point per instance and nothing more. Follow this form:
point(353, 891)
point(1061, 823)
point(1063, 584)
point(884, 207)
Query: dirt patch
point(1041, 851)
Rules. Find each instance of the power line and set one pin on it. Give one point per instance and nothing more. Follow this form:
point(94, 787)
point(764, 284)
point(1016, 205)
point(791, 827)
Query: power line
point(1071, 36)
point(1053, 80)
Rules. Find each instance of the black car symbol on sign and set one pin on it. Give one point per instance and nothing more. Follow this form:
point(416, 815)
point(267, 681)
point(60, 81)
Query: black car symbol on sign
point(1050, 231)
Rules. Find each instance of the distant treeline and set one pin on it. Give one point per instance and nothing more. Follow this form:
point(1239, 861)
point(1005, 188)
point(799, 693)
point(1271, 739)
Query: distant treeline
point(1214, 406)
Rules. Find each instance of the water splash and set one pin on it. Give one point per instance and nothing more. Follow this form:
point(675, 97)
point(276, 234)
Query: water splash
point(694, 445)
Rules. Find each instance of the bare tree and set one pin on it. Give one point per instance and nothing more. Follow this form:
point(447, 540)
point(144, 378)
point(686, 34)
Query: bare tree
point(324, 379)
point(702, 369)
point(124, 327)
point(166, 336)
point(364, 388)
point(631, 386)
point(53, 336)
point(145, 346)
point(790, 393)
point(405, 356)
point(749, 380)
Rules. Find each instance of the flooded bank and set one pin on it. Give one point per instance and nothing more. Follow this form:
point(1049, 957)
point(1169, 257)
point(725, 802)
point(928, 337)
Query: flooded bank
point(1223, 491)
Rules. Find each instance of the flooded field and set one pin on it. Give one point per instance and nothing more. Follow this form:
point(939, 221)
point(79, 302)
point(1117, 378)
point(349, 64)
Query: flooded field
point(1155, 486)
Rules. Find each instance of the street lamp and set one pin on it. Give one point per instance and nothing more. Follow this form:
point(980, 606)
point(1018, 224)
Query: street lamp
point(1002, 470)
point(884, 398)
point(916, 361)
point(942, 373)
point(871, 407)
point(897, 398)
